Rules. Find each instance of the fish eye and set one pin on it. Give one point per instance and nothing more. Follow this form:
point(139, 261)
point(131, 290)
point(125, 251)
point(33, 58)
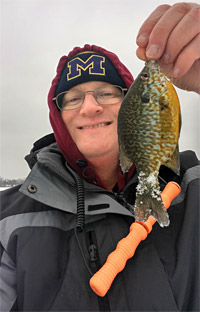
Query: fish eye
point(144, 76)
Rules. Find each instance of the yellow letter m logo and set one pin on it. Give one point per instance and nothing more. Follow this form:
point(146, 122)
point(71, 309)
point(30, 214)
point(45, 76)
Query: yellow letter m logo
point(94, 63)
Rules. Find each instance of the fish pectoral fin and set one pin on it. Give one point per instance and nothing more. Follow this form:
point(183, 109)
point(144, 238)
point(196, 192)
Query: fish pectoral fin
point(174, 162)
point(163, 102)
point(125, 162)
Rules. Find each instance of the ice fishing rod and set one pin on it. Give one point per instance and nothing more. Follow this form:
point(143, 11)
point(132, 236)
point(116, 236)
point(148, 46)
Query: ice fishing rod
point(102, 280)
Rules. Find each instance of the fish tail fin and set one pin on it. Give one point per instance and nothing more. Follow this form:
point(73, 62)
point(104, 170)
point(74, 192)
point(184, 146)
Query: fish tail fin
point(150, 203)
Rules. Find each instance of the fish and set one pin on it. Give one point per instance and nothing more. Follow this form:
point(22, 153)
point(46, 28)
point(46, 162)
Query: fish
point(149, 123)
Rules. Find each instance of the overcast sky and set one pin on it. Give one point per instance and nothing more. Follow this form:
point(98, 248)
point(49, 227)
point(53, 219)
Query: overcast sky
point(34, 35)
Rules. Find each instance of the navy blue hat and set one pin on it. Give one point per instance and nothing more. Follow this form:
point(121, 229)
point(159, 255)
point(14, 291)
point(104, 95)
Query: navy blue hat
point(88, 66)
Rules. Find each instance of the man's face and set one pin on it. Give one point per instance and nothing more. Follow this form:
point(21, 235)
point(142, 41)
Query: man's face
point(93, 127)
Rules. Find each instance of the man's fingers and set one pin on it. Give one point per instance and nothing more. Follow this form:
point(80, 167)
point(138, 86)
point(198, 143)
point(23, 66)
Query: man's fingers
point(147, 27)
point(155, 34)
point(141, 54)
point(187, 57)
point(184, 33)
point(184, 61)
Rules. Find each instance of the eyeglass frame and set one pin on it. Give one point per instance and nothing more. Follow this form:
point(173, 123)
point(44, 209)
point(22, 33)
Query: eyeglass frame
point(64, 92)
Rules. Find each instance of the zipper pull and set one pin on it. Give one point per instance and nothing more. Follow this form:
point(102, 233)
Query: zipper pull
point(93, 253)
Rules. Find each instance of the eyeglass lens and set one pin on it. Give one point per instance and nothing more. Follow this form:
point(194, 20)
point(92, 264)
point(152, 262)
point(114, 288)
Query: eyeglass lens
point(107, 95)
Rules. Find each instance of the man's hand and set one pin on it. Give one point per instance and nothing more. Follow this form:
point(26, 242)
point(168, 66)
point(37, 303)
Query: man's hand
point(171, 35)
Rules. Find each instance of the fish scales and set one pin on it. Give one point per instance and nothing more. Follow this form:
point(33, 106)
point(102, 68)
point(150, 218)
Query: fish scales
point(148, 131)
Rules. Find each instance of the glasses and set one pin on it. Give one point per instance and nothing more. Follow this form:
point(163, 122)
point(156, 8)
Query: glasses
point(73, 99)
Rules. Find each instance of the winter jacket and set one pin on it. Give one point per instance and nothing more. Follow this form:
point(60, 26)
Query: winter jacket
point(46, 264)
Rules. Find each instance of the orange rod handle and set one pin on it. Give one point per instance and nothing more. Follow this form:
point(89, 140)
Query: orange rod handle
point(102, 280)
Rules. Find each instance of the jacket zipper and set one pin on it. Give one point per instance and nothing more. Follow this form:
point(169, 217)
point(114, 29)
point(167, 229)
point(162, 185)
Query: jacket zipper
point(95, 265)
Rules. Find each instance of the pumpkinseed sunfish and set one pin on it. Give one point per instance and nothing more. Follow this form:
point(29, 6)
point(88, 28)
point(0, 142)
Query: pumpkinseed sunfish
point(148, 129)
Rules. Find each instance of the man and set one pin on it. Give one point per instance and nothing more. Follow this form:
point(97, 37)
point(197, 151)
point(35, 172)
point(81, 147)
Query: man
point(59, 227)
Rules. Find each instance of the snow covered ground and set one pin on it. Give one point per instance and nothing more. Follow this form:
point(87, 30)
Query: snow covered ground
point(4, 188)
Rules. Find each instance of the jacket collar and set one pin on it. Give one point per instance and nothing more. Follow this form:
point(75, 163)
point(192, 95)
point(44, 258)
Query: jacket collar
point(54, 182)
point(45, 150)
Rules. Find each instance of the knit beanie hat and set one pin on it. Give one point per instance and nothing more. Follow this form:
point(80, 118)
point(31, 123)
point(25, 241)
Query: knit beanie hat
point(88, 66)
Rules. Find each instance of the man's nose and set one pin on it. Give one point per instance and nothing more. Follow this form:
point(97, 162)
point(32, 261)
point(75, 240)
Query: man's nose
point(90, 105)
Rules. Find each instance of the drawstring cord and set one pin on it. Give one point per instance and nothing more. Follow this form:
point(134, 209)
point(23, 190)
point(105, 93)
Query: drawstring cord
point(80, 218)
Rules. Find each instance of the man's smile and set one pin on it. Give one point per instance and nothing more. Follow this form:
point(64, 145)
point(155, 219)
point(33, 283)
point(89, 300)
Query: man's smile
point(102, 124)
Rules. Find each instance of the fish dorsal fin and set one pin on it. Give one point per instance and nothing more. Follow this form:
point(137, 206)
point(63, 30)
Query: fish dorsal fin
point(174, 162)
